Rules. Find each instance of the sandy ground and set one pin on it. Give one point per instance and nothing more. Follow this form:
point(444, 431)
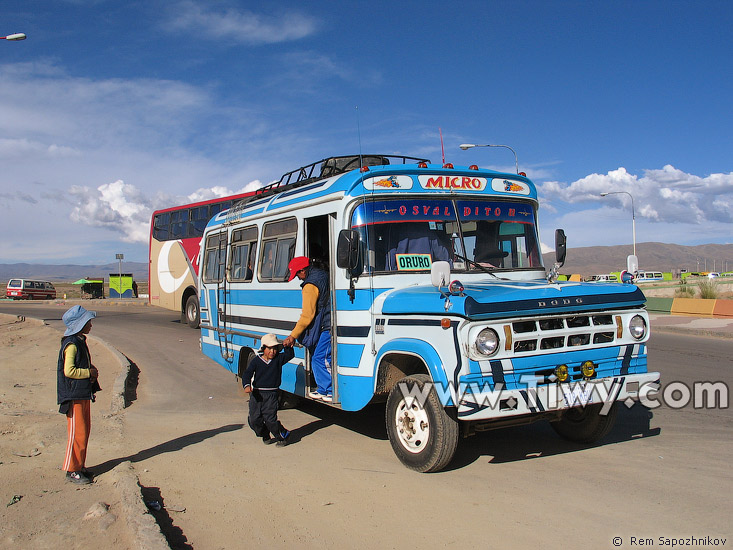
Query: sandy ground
point(40, 509)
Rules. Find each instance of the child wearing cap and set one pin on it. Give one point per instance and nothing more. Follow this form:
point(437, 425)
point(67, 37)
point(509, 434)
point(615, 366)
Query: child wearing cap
point(263, 399)
point(76, 383)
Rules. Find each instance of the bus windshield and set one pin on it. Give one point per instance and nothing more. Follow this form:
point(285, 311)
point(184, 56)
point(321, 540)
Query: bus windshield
point(472, 235)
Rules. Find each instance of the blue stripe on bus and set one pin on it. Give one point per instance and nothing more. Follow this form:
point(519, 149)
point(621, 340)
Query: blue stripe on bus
point(355, 392)
point(349, 355)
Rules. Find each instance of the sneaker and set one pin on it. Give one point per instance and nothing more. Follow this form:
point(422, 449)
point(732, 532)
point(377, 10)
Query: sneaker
point(327, 398)
point(78, 478)
point(315, 395)
point(267, 440)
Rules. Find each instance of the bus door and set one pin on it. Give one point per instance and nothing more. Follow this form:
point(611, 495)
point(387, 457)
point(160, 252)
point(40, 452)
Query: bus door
point(318, 249)
point(214, 289)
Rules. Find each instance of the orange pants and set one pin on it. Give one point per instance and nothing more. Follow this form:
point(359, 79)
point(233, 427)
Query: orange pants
point(79, 423)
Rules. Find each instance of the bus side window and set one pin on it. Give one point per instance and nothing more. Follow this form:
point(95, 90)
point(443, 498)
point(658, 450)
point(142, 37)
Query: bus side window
point(214, 256)
point(244, 242)
point(277, 249)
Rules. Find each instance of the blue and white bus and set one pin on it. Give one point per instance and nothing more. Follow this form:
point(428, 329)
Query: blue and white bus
point(441, 306)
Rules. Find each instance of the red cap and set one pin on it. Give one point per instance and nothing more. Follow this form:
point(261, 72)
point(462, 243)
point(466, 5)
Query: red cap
point(296, 264)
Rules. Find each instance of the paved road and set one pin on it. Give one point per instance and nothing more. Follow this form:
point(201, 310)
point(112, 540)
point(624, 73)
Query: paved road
point(660, 473)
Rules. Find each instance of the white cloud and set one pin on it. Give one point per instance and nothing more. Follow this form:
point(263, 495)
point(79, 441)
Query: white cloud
point(666, 195)
point(125, 210)
point(238, 25)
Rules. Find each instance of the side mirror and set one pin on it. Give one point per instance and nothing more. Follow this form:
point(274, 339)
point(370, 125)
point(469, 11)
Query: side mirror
point(440, 274)
point(347, 250)
point(632, 264)
point(560, 246)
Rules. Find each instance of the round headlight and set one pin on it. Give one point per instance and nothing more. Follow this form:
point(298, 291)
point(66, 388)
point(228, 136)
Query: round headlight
point(637, 327)
point(487, 342)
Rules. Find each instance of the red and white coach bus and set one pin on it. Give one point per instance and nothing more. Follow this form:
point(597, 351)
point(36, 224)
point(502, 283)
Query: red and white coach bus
point(175, 236)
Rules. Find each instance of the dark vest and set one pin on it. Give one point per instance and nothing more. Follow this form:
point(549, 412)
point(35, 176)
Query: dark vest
point(69, 389)
point(322, 320)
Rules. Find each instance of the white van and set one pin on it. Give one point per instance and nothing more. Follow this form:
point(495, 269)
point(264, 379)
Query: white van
point(26, 289)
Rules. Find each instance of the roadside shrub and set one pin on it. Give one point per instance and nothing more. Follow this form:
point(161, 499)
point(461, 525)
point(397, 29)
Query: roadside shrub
point(684, 291)
point(708, 289)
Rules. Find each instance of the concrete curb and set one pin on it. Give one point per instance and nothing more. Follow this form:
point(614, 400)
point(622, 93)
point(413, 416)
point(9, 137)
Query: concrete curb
point(713, 308)
point(691, 331)
point(145, 529)
point(120, 385)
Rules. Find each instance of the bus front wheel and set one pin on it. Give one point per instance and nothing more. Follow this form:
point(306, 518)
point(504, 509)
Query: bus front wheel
point(423, 436)
point(193, 315)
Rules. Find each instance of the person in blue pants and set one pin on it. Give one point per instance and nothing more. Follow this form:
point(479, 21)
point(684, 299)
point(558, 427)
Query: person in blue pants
point(313, 328)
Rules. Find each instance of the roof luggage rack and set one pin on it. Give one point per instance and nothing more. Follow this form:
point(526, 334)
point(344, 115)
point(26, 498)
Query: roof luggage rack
point(321, 169)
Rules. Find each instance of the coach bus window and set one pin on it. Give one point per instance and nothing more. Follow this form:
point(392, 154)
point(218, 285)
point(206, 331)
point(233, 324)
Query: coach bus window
point(161, 226)
point(277, 249)
point(199, 217)
point(214, 256)
point(179, 222)
point(244, 242)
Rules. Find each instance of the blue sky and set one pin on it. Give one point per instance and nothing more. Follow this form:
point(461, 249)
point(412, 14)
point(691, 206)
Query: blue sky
point(110, 110)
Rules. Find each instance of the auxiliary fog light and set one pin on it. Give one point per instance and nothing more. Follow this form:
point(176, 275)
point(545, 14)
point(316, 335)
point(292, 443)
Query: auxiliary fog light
point(487, 342)
point(561, 372)
point(588, 369)
point(637, 327)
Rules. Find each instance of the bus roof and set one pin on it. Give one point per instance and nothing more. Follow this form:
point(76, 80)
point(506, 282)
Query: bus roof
point(238, 196)
point(421, 177)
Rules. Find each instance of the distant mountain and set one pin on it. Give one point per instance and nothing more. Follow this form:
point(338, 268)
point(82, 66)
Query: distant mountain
point(594, 260)
point(589, 260)
point(69, 272)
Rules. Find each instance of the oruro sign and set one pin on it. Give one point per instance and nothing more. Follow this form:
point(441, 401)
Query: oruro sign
point(413, 262)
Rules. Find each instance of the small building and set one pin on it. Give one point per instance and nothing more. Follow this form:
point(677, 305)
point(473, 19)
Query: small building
point(121, 285)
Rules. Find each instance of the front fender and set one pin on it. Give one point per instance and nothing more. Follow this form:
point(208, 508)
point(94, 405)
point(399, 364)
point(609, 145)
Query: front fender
point(428, 355)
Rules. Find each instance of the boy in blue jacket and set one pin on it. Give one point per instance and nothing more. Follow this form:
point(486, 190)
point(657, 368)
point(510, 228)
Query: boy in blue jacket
point(263, 392)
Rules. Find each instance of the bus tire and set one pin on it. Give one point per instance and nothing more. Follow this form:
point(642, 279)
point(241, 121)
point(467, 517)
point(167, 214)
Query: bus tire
point(193, 315)
point(585, 424)
point(424, 438)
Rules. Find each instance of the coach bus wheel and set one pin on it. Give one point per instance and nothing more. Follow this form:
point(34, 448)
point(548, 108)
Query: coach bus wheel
point(423, 436)
point(192, 312)
point(585, 424)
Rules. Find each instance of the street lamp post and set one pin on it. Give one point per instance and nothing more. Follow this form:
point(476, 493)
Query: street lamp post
point(633, 212)
point(465, 146)
point(119, 258)
point(16, 36)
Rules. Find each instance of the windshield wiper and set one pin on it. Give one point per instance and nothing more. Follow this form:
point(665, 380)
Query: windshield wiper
point(482, 268)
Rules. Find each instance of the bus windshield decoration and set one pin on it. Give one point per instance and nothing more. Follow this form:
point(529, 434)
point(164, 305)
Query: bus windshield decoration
point(441, 308)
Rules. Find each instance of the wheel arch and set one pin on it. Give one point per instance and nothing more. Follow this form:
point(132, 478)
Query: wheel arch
point(189, 291)
point(405, 357)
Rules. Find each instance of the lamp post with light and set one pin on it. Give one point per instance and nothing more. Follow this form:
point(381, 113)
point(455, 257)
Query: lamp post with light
point(119, 258)
point(633, 213)
point(465, 146)
point(16, 36)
